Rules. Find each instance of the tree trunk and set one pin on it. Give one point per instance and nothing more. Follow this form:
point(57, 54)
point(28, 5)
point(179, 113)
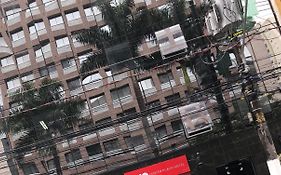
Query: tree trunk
point(56, 159)
point(144, 120)
point(186, 78)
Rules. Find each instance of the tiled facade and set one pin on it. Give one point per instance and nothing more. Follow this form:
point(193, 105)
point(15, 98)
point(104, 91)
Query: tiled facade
point(36, 41)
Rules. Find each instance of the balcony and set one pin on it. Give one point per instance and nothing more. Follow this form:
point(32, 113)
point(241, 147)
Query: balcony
point(63, 49)
point(35, 35)
point(69, 69)
point(53, 5)
point(18, 42)
point(4, 48)
point(65, 3)
point(122, 100)
point(168, 85)
point(99, 109)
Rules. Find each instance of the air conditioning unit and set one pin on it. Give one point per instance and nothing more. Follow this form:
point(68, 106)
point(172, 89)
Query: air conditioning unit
point(223, 16)
point(196, 119)
point(171, 40)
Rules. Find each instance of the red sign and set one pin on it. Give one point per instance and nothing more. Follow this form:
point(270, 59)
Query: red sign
point(175, 166)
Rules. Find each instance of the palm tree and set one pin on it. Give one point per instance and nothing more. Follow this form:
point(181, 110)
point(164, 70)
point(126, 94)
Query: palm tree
point(131, 25)
point(44, 105)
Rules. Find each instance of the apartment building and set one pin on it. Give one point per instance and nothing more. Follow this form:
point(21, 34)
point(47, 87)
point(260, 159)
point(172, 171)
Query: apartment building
point(36, 42)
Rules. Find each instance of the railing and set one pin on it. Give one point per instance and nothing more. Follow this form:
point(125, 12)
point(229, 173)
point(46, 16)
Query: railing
point(100, 108)
point(168, 85)
point(70, 69)
point(122, 100)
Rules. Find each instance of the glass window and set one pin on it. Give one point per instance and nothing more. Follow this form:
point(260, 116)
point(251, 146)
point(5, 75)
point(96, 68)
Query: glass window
point(72, 156)
point(51, 164)
point(74, 84)
point(134, 141)
point(27, 77)
point(62, 42)
point(23, 59)
point(146, 84)
point(111, 145)
point(56, 21)
point(44, 70)
point(120, 93)
point(48, 2)
point(92, 78)
point(13, 13)
point(165, 78)
point(173, 98)
point(88, 11)
point(32, 4)
point(7, 61)
point(13, 83)
point(29, 168)
point(17, 36)
point(44, 49)
point(68, 63)
point(83, 58)
point(94, 149)
point(98, 101)
point(154, 105)
point(73, 16)
point(177, 125)
point(161, 131)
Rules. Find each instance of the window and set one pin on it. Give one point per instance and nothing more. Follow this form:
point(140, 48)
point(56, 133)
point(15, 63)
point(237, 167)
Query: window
point(56, 21)
point(146, 84)
point(94, 149)
point(154, 105)
point(44, 70)
point(83, 58)
point(91, 11)
point(92, 78)
point(74, 84)
point(13, 13)
point(111, 145)
point(44, 49)
point(177, 125)
point(134, 141)
point(51, 164)
point(73, 16)
point(29, 168)
point(48, 2)
point(68, 63)
point(98, 101)
point(27, 77)
point(72, 156)
point(32, 4)
point(7, 61)
point(13, 83)
point(23, 59)
point(161, 131)
point(62, 42)
point(120, 93)
point(166, 78)
point(18, 35)
point(36, 27)
point(173, 98)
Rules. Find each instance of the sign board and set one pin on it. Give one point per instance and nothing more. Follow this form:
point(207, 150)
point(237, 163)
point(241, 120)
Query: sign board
point(175, 166)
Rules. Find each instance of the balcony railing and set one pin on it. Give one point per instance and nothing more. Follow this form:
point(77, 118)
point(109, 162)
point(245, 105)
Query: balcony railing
point(24, 65)
point(149, 92)
point(76, 91)
point(75, 22)
point(93, 85)
point(46, 55)
point(58, 27)
point(32, 11)
point(70, 69)
point(18, 42)
point(13, 21)
point(8, 68)
point(106, 131)
point(53, 5)
point(35, 35)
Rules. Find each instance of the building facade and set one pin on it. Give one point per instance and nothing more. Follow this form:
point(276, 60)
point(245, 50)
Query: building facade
point(37, 41)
